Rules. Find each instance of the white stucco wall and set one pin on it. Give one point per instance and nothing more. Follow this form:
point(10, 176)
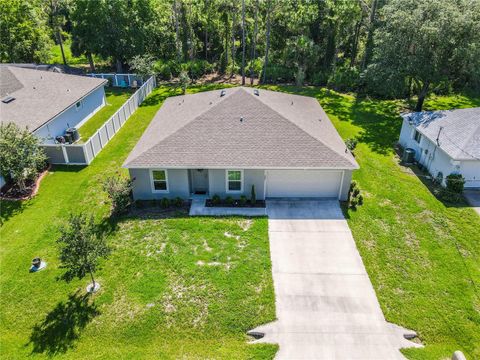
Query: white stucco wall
point(436, 160)
point(72, 117)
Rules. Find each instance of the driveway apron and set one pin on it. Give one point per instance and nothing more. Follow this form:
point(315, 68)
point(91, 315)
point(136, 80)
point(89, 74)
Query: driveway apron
point(325, 303)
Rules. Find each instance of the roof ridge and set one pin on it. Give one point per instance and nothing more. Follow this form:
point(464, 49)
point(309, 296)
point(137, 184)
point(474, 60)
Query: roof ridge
point(181, 127)
point(310, 135)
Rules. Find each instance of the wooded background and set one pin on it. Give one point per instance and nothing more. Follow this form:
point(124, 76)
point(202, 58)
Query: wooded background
point(385, 48)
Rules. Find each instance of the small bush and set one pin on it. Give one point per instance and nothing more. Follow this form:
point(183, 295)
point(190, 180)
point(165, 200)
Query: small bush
point(178, 202)
point(439, 178)
point(229, 200)
point(165, 203)
point(253, 196)
point(351, 144)
point(355, 192)
point(353, 203)
point(119, 191)
point(448, 196)
point(243, 200)
point(215, 199)
point(360, 199)
point(344, 79)
point(455, 183)
point(353, 185)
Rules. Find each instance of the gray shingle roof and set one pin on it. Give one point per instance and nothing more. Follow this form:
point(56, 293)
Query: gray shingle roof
point(460, 130)
point(40, 95)
point(240, 129)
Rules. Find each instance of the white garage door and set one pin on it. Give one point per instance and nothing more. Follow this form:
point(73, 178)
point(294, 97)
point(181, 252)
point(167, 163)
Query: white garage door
point(303, 183)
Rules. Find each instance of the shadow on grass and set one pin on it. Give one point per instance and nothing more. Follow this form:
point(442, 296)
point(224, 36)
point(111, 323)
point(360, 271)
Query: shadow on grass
point(9, 208)
point(63, 325)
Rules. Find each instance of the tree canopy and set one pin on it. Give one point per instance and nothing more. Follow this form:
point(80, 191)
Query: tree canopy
point(419, 46)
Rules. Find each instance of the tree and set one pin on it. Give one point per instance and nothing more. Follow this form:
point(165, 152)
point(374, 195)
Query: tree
point(431, 42)
point(56, 9)
point(143, 65)
point(119, 190)
point(243, 42)
point(184, 80)
point(254, 43)
point(21, 158)
point(81, 247)
point(267, 44)
point(24, 32)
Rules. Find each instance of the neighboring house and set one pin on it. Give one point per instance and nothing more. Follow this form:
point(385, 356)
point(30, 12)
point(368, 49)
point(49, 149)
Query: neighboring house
point(48, 102)
point(445, 142)
point(223, 142)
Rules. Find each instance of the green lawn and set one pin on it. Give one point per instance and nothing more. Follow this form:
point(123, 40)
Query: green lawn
point(78, 61)
point(422, 256)
point(174, 287)
point(167, 301)
point(115, 97)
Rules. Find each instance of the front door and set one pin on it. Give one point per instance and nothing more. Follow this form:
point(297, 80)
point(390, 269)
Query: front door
point(200, 181)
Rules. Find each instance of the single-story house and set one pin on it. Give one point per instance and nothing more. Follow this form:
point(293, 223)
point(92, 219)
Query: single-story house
point(445, 142)
point(226, 142)
point(47, 102)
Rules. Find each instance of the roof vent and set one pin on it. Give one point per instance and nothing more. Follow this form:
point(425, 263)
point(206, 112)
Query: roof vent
point(223, 93)
point(8, 99)
point(241, 119)
point(256, 92)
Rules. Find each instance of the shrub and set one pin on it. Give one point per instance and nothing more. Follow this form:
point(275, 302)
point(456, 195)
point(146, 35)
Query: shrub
point(353, 185)
point(119, 191)
point(229, 200)
point(243, 200)
point(165, 203)
point(20, 156)
point(344, 79)
point(253, 196)
point(351, 144)
point(355, 192)
point(360, 199)
point(439, 178)
point(448, 196)
point(184, 81)
point(215, 199)
point(353, 203)
point(178, 201)
point(455, 183)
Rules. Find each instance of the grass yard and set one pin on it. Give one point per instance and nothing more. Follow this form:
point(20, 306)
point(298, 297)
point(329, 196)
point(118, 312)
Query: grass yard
point(422, 256)
point(115, 98)
point(174, 287)
point(77, 61)
point(174, 290)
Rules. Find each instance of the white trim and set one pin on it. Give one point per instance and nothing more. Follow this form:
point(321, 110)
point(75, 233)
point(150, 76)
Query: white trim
point(152, 185)
point(242, 180)
point(341, 186)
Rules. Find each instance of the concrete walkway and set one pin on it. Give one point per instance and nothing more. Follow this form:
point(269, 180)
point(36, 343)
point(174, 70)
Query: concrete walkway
point(198, 208)
point(326, 306)
point(473, 197)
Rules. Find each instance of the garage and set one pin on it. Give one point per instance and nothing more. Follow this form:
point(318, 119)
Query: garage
point(303, 183)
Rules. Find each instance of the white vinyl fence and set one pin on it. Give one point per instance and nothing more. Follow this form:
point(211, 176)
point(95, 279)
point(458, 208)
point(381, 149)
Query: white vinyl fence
point(83, 154)
point(119, 80)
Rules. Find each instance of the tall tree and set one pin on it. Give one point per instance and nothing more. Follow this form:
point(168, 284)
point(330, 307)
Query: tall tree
point(430, 42)
point(267, 43)
point(243, 42)
point(24, 34)
point(56, 10)
point(254, 43)
point(371, 27)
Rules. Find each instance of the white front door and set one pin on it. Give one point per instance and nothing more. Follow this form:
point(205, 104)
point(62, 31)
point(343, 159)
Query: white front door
point(303, 183)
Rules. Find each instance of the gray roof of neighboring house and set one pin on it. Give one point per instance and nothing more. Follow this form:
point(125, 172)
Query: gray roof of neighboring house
point(241, 129)
point(458, 131)
point(40, 95)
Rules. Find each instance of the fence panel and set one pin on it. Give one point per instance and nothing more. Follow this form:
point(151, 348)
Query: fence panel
point(85, 153)
point(54, 154)
point(76, 155)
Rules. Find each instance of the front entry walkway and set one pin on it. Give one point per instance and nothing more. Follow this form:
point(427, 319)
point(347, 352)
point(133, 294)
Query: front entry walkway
point(326, 306)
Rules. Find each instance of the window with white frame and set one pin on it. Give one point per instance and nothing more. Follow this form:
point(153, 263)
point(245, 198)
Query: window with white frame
point(417, 136)
point(234, 180)
point(159, 180)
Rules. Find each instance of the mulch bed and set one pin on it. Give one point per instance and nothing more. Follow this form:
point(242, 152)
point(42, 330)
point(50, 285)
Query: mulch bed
point(10, 193)
point(235, 204)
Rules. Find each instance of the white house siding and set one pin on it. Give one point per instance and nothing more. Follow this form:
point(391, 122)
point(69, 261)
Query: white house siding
point(470, 169)
point(436, 160)
point(72, 117)
point(142, 185)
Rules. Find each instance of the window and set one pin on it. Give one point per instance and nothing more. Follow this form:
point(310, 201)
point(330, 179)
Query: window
point(234, 180)
point(159, 181)
point(78, 105)
point(417, 136)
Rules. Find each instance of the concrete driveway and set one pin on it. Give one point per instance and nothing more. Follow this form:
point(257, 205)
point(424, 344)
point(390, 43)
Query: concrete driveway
point(473, 197)
point(326, 306)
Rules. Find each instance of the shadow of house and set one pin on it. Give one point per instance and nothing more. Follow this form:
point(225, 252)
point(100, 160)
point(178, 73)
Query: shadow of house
point(63, 325)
